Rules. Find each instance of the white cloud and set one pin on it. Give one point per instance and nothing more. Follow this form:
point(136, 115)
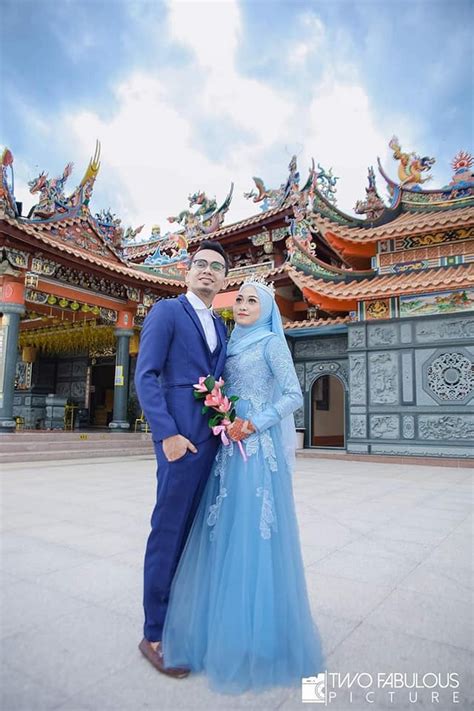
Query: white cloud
point(153, 154)
point(311, 42)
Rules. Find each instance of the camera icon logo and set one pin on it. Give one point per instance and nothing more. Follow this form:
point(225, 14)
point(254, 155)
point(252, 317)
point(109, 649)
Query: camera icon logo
point(313, 689)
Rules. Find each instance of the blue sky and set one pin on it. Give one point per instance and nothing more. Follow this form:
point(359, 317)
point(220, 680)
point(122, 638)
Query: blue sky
point(194, 95)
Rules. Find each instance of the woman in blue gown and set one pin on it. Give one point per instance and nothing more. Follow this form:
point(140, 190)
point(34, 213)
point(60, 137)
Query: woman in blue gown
point(239, 608)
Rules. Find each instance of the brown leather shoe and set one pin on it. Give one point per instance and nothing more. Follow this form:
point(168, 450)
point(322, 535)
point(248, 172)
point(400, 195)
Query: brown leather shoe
point(156, 658)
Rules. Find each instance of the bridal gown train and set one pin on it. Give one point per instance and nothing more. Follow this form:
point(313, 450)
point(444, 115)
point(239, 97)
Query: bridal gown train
point(239, 608)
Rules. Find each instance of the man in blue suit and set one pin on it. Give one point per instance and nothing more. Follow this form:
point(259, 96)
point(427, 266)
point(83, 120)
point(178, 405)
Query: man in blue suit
point(181, 340)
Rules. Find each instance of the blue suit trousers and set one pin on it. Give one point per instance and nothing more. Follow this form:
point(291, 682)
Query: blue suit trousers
point(180, 486)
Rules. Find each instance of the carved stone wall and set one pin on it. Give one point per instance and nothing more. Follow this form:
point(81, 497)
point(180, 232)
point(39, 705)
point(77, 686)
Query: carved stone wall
point(316, 356)
point(412, 386)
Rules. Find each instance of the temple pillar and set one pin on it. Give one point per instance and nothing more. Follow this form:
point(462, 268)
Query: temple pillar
point(12, 306)
point(123, 333)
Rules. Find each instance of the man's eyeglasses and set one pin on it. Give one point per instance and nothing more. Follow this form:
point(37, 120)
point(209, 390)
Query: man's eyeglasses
point(201, 264)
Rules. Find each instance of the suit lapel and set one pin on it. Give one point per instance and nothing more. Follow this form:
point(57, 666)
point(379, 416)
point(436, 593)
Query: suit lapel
point(220, 329)
point(222, 332)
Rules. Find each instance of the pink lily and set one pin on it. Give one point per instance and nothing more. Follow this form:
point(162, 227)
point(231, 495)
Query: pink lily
point(200, 387)
point(225, 405)
point(213, 400)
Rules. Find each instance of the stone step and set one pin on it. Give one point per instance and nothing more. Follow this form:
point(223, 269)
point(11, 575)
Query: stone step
point(43, 436)
point(60, 445)
point(73, 453)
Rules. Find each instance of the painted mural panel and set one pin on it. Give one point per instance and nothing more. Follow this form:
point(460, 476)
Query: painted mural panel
point(441, 302)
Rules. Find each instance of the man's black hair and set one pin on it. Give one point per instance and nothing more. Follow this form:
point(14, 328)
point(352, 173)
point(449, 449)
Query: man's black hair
point(214, 245)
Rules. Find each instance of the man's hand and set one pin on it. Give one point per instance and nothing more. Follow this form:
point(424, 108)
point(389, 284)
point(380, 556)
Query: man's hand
point(240, 429)
point(176, 447)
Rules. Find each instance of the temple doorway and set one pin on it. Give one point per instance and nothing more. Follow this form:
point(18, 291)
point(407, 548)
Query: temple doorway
point(327, 412)
point(102, 392)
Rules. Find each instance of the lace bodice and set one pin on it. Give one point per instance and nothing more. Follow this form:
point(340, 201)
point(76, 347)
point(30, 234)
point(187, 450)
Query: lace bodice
point(252, 376)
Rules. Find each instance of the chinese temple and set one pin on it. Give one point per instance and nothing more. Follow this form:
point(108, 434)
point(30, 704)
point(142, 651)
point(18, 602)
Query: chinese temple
point(378, 308)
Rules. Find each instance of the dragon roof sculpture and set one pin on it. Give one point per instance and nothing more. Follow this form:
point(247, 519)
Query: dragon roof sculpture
point(322, 181)
point(171, 249)
point(459, 192)
point(53, 202)
point(411, 166)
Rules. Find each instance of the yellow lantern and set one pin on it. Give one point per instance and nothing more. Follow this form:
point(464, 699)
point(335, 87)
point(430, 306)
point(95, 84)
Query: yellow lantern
point(28, 354)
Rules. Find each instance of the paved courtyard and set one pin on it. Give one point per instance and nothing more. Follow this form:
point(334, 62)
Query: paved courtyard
point(387, 551)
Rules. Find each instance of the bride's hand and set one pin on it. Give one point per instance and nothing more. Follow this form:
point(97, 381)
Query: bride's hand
point(240, 429)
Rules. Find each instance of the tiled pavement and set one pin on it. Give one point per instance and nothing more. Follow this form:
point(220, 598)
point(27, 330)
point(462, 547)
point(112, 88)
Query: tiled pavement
point(387, 549)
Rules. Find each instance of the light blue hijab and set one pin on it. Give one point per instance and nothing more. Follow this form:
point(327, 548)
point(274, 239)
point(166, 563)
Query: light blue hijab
point(242, 337)
point(269, 324)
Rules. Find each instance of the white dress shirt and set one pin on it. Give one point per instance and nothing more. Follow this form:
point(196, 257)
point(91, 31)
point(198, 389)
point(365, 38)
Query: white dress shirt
point(206, 318)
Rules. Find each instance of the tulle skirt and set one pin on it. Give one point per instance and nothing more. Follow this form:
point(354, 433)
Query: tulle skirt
point(239, 608)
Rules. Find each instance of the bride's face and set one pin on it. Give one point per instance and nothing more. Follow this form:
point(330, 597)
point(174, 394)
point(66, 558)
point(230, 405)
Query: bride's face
point(247, 307)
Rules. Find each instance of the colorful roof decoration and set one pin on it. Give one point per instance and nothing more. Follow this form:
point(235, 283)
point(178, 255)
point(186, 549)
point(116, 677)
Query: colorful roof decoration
point(343, 296)
point(412, 256)
point(411, 166)
point(373, 206)
point(408, 195)
point(52, 200)
point(323, 180)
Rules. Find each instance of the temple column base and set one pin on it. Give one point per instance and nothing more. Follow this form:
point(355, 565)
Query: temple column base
point(119, 426)
point(7, 426)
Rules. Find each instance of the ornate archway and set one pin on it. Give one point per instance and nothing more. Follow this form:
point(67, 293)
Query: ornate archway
point(327, 412)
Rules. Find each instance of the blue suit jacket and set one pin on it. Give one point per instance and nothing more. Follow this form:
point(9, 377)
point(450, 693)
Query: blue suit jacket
point(173, 355)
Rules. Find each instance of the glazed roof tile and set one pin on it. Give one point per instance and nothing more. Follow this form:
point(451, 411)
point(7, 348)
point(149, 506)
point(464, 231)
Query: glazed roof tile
point(315, 323)
point(407, 223)
point(425, 280)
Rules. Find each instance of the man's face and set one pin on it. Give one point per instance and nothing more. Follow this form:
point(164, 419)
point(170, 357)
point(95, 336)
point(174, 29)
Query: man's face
point(204, 277)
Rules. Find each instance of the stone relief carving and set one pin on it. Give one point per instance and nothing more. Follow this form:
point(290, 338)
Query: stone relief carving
point(440, 451)
point(383, 378)
point(342, 372)
point(384, 427)
point(382, 335)
point(358, 426)
point(445, 330)
point(450, 376)
point(356, 337)
point(357, 379)
point(405, 332)
point(408, 426)
point(320, 346)
point(446, 427)
point(78, 390)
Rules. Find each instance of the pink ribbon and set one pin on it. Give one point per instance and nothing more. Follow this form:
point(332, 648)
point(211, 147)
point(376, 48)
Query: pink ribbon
point(220, 430)
point(242, 451)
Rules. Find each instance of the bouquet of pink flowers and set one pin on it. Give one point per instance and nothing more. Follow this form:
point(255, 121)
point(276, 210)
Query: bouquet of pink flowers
point(211, 391)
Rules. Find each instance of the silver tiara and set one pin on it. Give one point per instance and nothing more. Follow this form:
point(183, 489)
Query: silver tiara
point(259, 280)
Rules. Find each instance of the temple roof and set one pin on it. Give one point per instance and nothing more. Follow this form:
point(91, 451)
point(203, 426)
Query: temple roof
point(403, 225)
point(343, 296)
point(79, 237)
point(262, 217)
